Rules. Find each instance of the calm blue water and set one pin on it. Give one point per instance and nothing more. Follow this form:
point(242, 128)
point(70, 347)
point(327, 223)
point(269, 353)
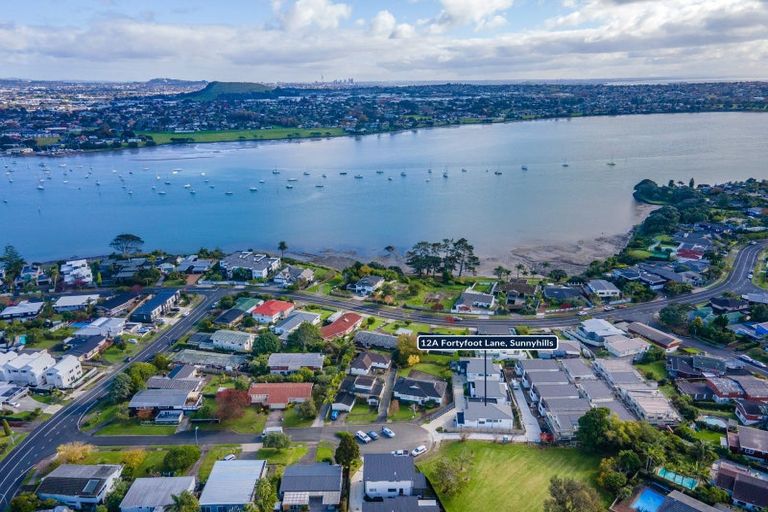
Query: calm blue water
point(648, 501)
point(548, 203)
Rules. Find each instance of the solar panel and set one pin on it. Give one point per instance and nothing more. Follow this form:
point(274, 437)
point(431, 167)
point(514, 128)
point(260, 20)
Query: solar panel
point(91, 486)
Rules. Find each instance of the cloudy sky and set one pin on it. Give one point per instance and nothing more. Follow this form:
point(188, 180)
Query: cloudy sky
point(304, 40)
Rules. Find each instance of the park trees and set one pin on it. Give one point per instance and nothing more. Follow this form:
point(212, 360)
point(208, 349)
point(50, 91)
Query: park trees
point(569, 495)
point(127, 243)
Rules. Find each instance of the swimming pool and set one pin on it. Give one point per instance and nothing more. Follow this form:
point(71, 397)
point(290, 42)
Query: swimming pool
point(647, 501)
point(686, 481)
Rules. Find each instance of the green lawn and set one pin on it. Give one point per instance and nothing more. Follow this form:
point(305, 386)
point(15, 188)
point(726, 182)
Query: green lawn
point(362, 414)
point(101, 413)
point(403, 414)
point(709, 436)
point(433, 364)
point(292, 420)
point(8, 443)
point(510, 477)
point(639, 254)
point(391, 327)
point(251, 422)
point(235, 135)
point(152, 463)
point(282, 457)
point(656, 369)
point(214, 454)
point(216, 382)
point(132, 427)
point(325, 452)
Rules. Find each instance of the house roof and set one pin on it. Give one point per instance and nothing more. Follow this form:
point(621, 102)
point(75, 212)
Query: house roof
point(596, 389)
point(520, 287)
point(78, 480)
point(557, 390)
point(232, 482)
point(601, 285)
point(561, 292)
point(724, 387)
point(272, 308)
point(82, 345)
point(158, 398)
point(577, 368)
point(753, 439)
point(385, 467)
point(156, 492)
point(538, 365)
point(319, 477)
point(365, 360)
point(676, 501)
point(750, 489)
point(477, 410)
point(231, 337)
point(295, 319)
point(344, 397)
point(752, 386)
point(295, 360)
point(426, 389)
point(71, 301)
point(282, 392)
point(343, 325)
point(600, 327)
point(401, 504)
point(157, 382)
point(655, 335)
point(375, 339)
point(229, 316)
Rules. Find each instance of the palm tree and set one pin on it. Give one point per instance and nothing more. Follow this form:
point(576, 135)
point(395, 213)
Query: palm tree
point(390, 249)
point(282, 247)
point(519, 267)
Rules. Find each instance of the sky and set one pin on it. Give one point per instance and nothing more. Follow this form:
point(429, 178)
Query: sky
point(380, 40)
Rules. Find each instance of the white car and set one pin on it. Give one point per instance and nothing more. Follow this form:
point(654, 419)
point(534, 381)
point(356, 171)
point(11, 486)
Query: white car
point(363, 437)
point(419, 450)
point(231, 456)
point(399, 452)
point(750, 275)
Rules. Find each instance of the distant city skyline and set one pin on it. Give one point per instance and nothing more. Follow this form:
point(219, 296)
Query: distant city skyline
point(398, 40)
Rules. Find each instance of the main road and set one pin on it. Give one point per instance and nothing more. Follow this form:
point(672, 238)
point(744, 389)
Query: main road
point(62, 427)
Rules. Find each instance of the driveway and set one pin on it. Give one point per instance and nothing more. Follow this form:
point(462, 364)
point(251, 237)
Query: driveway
point(356, 491)
point(529, 421)
point(389, 381)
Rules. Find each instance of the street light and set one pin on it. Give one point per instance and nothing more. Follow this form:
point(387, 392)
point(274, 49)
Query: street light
point(196, 429)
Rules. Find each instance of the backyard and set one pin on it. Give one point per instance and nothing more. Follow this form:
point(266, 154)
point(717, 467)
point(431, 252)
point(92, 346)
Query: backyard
point(152, 462)
point(522, 485)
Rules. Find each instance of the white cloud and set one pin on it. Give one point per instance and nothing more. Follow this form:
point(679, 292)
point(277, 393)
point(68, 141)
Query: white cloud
point(482, 14)
point(323, 14)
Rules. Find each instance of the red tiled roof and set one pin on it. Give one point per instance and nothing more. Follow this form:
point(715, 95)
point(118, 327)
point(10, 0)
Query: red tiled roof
point(272, 308)
point(345, 324)
point(282, 392)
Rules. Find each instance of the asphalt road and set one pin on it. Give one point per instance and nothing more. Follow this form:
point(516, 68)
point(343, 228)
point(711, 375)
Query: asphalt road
point(63, 426)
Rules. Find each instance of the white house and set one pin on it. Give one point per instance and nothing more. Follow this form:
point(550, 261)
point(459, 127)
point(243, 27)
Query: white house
point(476, 369)
point(474, 302)
point(29, 369)
point(77, 273)
point(493, 416)
point(74, 302)
point(24, 309)
point(367, 285)
point(235, 341)
point(622, 346)
point(249, 265)
point(104, 326)
point(603, 289)
point(290, 275)
point(65, 373)
point(386, 475)
point(156, 493)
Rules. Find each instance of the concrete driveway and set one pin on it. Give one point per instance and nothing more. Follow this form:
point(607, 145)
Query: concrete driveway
point(529, 421)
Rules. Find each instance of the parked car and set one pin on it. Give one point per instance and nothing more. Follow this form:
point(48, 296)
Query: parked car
point(373, 435)
point(399, 452)
point(419, 450)
point(387, 432)
point(335, 415)
point(362, 437)
point(270, 430)
point(231, 456)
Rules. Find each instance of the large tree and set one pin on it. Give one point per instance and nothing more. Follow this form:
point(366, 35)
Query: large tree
point(231, 403)
point(306, 338)
point(184, 502)
point(179, 458)
point(348, 450)
point(121, 388)
point(12, 262)
point(266, 495)
point(568, 495)
point(127, 243)
point(266, 343)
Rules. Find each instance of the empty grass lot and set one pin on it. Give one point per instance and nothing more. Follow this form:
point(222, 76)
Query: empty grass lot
point(251, 422)
point(362, 414)
point(236, 135)
point(325, 451)
point(657, 369)
point(153, 460)
point(433, 364)
point(510, 477)
point(133, 427)
point(282, 457)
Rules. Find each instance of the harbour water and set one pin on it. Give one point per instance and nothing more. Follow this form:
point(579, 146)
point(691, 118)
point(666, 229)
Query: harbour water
point(254, 194)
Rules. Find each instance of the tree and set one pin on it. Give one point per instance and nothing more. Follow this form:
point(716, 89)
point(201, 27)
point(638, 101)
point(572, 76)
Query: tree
point(568, 495)
point(306, 338)
point(132, 460)
point(231, 403)
point(116, 496)
point(674, 315)
point(307, 409)
point(267, 343)
point(276, 440)
point(406, 347)
point(127, 243)
point(413, 360)
point(597, 430)
point(348, 450)
point(558, 275)
point(74, 452)
point(184, 502)
point(519, 267)
point(265, 496)
point(12, 263)
point(161, 361)
point(25, 502)
point(179, 458)
point(450, 476)
point(120, 389)
point(282, 247)
point(7, 428)
point(248, 321)
point(501, 273)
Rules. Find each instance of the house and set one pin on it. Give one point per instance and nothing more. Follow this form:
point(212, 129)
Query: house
point(155, 400)
point(246, 265)
point(159, 304)
point(666, 341)
point(194, 265)
point(23, 310)
point(285, 363)
point(544, 378)
point(477, 368)
point(311, 487)
point(419, 391)
point(748, 488)
point(597, 329)
point(566, 349)
point(79, 486)
point(364, 362)
point(387, 476)
point(516, 292)
point(156, 493)
point(652, 280)
point(86, 348)
point(369, 339)
point(231, 485)
point(596, 391)
point(724, 389)
point(365, 387)
point(294, 320)
point(279, 395)
point(561, 293)
point(192, 385)
point(119, 304)
point(577, 370)
point(344, 401)
point(603, 289)
point(751, 413)
point(676, 501)
point(74, 302)
point(754, 388)
point(76, 273)
point(488, 390)
point(478, 415)
point(235, 341)
point(271, 311)
point(291, 275)
point(476, 303)
point(367, 285)
point(526, 368)
point(65, 373)
point(230, 317)
point(652, 406)
point(696, 389)
point(28, 369)
point(562, 416)
point(401, 504)
point(11, 392)
point(749, 441)
point(723, 304)
point(622, 346)
point(342, 326)
point(104, 326)
point(619, 373)
point(692, 367)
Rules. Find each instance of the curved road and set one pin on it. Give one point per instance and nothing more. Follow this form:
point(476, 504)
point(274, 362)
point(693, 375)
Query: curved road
point(63, 426)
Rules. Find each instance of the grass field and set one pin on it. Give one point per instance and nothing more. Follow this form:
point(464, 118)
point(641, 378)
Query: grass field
point(362, 414)
point(709, 436)
point(510, 477)
point(251, 422)
point(433, 364)
point(212, 455)
point(132, 427)
point(8, 443)
point(392, 327)
point(657, 369)
point(325, 451)
point(282, 457)
point(292, 420)
point(236, 135)
point(152, 462)
point(405, 413)
point(101, 413)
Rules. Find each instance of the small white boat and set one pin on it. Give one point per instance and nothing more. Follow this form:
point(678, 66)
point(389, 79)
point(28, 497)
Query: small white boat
point(162, 193)
point(564, 164)
point(498, 173)
point(192, 192)
point(187, 185)
point(445, 174)
point(524, 167)
point(253, 189)
point(324, 176)
point(611, 163)
point(40, 187)
point(275, 171)
point(343, 173)
point(389, 178)
point(228, 193)
point(177, 170)
point(306, 173)
point(319, 185)
point(202, 174)
point(427, 180)
point(403, 174)
point(379, 172)
point(98, 184)
point(293, 179)
point(211, 186)
point(289, 187)
point(463, 170)
point(261, 181)
point(358, 176)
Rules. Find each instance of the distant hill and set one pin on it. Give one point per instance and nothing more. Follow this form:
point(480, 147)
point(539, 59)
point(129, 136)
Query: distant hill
point(228, 90)
point(155, 82)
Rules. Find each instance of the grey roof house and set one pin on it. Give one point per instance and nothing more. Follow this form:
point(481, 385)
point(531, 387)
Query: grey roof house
point(155, 494)
point(231, 485)
point(311, 486)
point(78, 486)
